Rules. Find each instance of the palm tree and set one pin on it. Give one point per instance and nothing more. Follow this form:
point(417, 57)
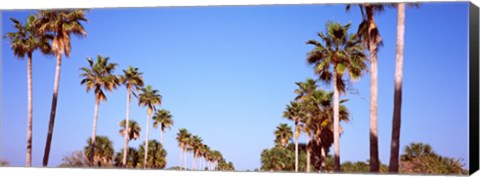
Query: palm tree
point(202, 151)
point(345, 53)
point(274, 159)
point(397, 108)
point(206, 154)
point(283, 134)
point(305, 89)
point(210, 158)
point(321, 107)
point(163, 118)
point(417, 150)
point(182, 137)
point(188, 148)
point(420, 158)
point(60, 24)
point(308, 122)
point(216, 156)
point(24, 41)
point(372, 40)
point(230, 166)
point(132, 79)
point(148, 98)
point(156, 155)
point(104, 151)
point(317, 123)
point(312, 123)
point(133, 158)
point(306, 127)
point(196, 144)
point(98, 77)
point(294, 110)
point(190, 145)
point(133, 130)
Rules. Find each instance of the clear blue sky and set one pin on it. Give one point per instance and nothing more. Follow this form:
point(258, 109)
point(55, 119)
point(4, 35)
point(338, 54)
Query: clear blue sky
point(226, 74)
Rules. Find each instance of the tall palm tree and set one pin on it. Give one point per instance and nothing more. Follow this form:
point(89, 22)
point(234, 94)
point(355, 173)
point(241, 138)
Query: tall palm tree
point(131, 132)
point(305, 90)
point(98, 77)
point(24, 41)
point(308, 124)
point(306, 127)
point(132, 79)
point(199, 154)
point(372, 40)
point(216, 156)
point(210, 159)
point(149, 98)
point(182, 137)
point(196, 144)
point(60, 24)
point(202, 153)
point(104, 151)
point(397, 108)
point(156, 155)
point(163, 118)
point(322, 108)
point(188, 148)
point(292, 112)
point(206, 154)
point(345, 53)
point(283, 134)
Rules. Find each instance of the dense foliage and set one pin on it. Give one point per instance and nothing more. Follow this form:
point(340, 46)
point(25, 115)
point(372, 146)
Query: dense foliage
point(418, 158)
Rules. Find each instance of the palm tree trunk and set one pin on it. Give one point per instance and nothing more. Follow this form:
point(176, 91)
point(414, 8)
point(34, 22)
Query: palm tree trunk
point(336, 135)
point(146, 140)
point(52, 111)
point(180, 158)
point(185, 159)
point(308, 153)
point(161, 137)
point(199, 160)
point(373, 114)
point(94, 132)
point(296, 146)
point(395, 144)
point(193, 164)
point(374, 162)
point(125, 148)
point(30, 111)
